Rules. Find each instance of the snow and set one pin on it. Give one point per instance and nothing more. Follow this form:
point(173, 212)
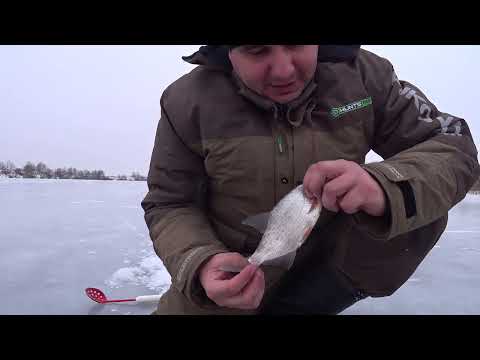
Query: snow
point(150, 273)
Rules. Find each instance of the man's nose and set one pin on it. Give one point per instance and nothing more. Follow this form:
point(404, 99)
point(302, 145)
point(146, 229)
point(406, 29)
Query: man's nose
point(282, 66)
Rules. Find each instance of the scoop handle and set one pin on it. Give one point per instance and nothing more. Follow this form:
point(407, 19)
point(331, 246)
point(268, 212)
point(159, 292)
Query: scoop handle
point(147, 298)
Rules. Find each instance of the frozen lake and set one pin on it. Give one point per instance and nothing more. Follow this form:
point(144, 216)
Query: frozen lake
point(59, 237)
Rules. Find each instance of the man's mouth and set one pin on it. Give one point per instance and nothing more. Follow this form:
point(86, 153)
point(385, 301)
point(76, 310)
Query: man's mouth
point(285, 88)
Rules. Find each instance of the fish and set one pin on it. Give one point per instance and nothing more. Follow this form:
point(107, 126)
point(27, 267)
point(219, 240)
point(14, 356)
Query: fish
point(285, 229)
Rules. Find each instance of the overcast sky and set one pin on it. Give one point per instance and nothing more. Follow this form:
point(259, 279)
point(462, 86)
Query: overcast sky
point(97, 107)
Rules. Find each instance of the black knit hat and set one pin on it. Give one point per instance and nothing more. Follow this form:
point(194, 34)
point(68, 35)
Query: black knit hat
point(230, 47)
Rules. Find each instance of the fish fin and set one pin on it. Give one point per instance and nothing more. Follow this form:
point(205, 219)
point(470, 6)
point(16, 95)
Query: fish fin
point(307, 232)
point(315, 203)
point(285, 261)
point(258, 221)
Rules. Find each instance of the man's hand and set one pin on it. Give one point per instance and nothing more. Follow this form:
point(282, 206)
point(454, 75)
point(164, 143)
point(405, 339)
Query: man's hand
point(239, 291)
point(342, 184)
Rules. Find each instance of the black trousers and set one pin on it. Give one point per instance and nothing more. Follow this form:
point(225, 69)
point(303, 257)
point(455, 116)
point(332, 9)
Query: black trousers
point(312, 289)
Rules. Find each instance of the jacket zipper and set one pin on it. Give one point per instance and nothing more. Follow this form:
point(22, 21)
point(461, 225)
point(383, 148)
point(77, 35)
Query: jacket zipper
point(280, 144)
point(280, 138)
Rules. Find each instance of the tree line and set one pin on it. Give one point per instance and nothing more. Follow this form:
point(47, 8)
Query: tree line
point(42, 171)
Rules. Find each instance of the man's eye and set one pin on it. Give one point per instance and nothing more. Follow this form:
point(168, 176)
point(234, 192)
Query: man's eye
point(257, 50)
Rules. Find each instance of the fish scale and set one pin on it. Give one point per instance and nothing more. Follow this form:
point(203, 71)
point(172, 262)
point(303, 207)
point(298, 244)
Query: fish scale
point(289, 225)
point(285, 229)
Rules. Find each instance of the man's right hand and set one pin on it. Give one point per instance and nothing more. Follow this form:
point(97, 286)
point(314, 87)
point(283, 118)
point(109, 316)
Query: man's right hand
point(239, 291)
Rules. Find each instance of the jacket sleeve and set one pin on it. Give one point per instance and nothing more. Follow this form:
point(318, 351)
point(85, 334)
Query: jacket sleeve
point(179, 228)
point(430, 159)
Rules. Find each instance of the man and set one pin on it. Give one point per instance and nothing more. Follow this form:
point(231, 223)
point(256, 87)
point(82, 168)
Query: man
point(252, 122)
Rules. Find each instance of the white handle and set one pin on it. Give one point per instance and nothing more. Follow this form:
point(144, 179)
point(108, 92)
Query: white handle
point(147, 298)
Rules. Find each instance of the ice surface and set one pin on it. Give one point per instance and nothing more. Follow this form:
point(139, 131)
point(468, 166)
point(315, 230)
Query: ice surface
point(446, 282)
point(61, 236)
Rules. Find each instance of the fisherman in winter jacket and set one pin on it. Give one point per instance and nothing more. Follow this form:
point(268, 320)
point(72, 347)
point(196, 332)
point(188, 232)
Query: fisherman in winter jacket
point(249, 124)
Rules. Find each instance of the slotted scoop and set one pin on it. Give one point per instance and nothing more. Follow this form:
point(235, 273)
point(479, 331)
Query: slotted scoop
point(98, 296)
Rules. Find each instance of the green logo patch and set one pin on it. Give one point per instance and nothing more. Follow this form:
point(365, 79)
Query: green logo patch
point(339, 111)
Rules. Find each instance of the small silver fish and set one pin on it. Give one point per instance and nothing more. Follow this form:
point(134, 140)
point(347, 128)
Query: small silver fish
point(284, 229)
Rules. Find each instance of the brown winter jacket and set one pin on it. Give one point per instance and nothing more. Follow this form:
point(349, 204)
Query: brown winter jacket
point(223, 153)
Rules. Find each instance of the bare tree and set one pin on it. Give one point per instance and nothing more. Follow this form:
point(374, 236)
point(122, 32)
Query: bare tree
point(58, 173)
point(137, 177)
point(97, 175)
point(10, 166)
point(41, 169)
point(29, 170)
point(70, 173)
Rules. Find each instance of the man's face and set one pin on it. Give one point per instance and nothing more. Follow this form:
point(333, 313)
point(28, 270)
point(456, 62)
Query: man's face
point(278, 72)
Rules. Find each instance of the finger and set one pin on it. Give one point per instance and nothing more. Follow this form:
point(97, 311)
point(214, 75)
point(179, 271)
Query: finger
point(222, 265)
point(352, 201)
point(306, 185)
point(321, 172)
point(256, 288)
point(335, 189)
point(307, 193)
point(331, 204)
point(233, 286)
point(251, 295)
point(261, 291)
point(335, 168)
point(313, 182)
point(230, 261)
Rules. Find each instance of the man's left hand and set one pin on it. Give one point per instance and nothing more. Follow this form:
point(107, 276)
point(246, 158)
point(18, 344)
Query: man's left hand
point(344, 185)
